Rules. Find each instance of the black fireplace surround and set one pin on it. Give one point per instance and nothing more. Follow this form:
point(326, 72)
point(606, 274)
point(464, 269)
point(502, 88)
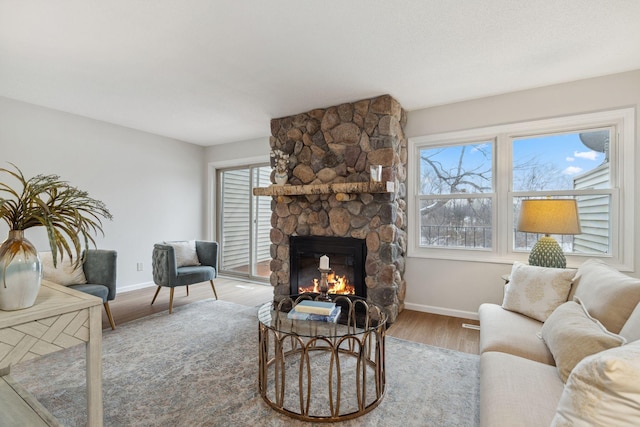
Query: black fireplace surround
point(347, 257)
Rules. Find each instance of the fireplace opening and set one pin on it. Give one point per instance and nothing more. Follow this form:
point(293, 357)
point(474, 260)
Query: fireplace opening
point(346, 260)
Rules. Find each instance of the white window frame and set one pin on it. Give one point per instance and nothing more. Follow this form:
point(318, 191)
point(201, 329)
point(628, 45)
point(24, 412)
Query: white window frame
point(622, 156)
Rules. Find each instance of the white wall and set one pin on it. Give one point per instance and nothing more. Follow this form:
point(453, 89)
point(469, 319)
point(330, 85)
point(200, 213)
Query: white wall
point(153, 186)
point(238, 153)
point(452, 287)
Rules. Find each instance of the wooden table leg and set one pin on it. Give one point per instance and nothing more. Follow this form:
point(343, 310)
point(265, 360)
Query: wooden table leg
point(94, 368)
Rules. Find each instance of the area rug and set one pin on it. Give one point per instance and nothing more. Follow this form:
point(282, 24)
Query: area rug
point(199, 367)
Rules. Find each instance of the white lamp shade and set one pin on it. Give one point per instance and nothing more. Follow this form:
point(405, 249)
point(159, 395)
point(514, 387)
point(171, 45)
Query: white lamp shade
point(549, 216)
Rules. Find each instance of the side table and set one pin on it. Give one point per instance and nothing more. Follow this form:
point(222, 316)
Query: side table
point(60, 318)
point(322, 371)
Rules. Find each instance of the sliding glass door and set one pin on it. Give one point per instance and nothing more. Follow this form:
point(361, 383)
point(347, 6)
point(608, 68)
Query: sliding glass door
point(244, 222)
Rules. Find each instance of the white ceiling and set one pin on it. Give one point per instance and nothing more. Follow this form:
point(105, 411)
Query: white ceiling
point(216, 71)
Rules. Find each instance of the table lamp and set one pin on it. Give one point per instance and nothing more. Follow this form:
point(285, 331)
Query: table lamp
point(548, 216)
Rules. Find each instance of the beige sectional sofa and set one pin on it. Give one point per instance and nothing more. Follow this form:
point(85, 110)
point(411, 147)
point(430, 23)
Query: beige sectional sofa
point(563, 349)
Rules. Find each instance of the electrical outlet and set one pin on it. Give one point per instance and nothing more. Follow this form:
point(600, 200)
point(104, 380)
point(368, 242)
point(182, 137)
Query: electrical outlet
point(139, 266)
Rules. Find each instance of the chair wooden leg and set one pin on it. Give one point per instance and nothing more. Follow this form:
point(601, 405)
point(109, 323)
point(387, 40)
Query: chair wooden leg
point(187, 290)
point(171, 301)
point(109, 316)
point(156, 295)
point(214, 289)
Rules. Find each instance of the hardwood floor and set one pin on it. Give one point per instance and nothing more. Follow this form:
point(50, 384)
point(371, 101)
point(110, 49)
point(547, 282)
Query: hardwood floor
point(133, 305)
point(426, 328)
point(436, 330)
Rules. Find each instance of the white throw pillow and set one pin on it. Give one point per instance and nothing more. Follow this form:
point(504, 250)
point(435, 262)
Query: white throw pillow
point(186, 254)
point(66, 273)
point(571, 334)
point(631, 328)
point(537, 291)
point(603, 390)
point(609, 295)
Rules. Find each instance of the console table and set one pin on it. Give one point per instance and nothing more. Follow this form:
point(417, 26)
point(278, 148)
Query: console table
point(60, 318)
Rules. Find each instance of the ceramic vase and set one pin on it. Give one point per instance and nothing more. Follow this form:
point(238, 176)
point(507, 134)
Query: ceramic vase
point(20, 272)
point(281, 178)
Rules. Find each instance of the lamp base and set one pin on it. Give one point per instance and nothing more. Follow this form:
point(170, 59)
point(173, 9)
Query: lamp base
point(547, 253)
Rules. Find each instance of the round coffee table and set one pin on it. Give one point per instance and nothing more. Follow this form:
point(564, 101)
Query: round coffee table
point(322, 371)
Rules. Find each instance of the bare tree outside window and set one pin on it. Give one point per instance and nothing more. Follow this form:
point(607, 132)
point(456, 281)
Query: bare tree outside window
point(463, 172)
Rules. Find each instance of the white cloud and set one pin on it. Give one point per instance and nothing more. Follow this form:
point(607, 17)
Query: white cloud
point(589, 155)
point(479, 147)
point(572, 170)
point(571, 159)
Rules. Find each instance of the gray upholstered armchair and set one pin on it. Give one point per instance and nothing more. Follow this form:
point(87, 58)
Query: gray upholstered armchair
point(100, 268)
point(95, 276)
point(172, 271)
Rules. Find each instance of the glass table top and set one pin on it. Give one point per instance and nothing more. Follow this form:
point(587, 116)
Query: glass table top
point(357, 316)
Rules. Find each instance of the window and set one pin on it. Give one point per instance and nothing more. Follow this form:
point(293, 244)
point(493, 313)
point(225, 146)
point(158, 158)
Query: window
point(456, 189)
point(466, 187)
point(568, 165)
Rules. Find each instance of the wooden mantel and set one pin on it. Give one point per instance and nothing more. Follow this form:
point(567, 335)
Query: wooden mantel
point(337, 188)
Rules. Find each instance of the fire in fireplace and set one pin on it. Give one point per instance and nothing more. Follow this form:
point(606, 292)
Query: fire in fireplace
point(337, 285)
point(346, 261)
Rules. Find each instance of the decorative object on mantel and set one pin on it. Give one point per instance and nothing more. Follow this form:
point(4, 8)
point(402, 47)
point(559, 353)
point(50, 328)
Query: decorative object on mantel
point(70, 217)
point(375, 172)
point(281, 164)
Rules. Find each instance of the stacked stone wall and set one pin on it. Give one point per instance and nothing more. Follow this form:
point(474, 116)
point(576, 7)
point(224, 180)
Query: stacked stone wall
point(334, 145)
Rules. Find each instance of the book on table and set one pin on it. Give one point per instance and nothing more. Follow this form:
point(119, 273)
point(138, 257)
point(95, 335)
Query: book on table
point(315, 307)
point(329, 318)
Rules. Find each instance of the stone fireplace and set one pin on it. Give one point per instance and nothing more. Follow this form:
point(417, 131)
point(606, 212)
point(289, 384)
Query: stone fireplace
point(329, 192)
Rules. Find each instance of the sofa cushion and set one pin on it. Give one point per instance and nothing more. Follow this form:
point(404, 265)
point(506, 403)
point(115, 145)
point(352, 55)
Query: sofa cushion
point(537, 291)
point(631, 328)
point(517, 392)
point(571, 335)
point(603, 390)
point(65, 273)
point(513, 333)
point(608, 295)
point(186, 254)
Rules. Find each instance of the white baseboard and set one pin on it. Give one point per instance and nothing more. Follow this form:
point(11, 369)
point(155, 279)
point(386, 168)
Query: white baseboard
point(442, 311)
point(135, 286)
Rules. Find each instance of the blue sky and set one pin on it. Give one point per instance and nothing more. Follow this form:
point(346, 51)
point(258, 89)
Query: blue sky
point(558, 158)
point(566, 152)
